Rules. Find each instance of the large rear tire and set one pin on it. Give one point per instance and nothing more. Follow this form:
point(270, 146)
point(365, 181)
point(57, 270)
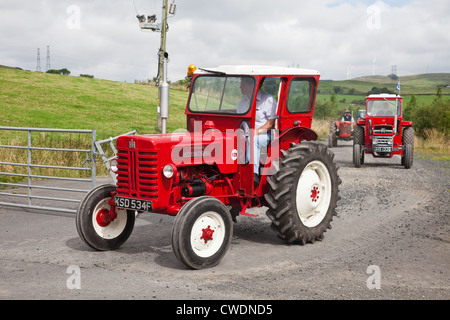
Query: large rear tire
point(303, 194)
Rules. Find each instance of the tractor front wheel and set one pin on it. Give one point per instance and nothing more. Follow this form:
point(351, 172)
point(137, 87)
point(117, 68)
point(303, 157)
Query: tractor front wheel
point(358, 144)
point(202, 232)
point(357, 155)
point(408, 156)
point(408, 143)
point(332, 138)
point(100, 226)
point(303, 194)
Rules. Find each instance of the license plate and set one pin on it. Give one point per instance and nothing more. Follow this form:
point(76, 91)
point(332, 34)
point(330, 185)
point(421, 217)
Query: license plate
point(382, 149)
point(133, 204)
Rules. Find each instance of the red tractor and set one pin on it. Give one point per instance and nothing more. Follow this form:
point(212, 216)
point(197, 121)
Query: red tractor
point(204, 176)
point(340, 130)
point(383, 132)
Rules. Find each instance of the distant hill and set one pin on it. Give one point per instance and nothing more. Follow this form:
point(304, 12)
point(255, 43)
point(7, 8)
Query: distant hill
point(415, 84)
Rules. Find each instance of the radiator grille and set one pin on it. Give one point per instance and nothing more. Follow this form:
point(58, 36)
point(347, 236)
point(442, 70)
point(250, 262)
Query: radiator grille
point(345, 129)
point(383, 130)
point(137, 174)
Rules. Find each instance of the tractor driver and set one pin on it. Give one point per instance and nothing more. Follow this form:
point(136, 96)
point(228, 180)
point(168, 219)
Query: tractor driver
point(385, 112)
point(347, 116)
point(265, 117)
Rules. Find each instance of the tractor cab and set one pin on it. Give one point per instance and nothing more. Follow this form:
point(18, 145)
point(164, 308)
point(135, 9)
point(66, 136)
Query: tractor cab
point(224, 101)
point(217, 94)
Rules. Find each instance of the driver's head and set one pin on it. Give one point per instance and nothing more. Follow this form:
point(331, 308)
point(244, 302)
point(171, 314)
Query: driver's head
point(247, 85)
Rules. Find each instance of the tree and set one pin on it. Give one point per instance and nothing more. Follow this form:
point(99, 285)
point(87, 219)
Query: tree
point(64, 72)
point(326, 109)
point(439, 92)
point(434, 116)
point(337, 89)
point(53, 71)
point(410, 107)
point(376, 90)
point(393, 77)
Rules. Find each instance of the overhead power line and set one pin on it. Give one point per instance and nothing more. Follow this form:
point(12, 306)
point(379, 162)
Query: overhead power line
point(38, 62)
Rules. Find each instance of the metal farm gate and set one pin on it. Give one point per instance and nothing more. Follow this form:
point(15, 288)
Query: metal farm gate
point(32, 187)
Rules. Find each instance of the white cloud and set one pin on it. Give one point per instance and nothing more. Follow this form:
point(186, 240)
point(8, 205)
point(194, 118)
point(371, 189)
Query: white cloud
point(325, 35)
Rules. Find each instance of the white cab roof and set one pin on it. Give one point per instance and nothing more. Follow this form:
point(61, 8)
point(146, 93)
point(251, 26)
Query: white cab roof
point(258, 70)
point(384, 95)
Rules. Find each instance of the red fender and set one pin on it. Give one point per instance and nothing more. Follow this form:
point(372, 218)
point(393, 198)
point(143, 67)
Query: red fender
point(294, 134)
point(284, 140)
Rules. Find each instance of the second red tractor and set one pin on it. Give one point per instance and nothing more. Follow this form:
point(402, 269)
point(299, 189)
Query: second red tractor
point(382, 132)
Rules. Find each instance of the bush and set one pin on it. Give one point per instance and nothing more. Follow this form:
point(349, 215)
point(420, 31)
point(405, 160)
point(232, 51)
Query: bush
point(428, 117)
point(63, 71)
point(376, 90)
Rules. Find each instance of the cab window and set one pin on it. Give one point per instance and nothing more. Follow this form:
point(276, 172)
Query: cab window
point(299, 98)
point(221, 94)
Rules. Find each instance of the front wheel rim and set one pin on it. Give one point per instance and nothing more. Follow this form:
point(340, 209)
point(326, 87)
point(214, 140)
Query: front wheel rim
point(313, 194)
point(115, 227)
point(207, 234)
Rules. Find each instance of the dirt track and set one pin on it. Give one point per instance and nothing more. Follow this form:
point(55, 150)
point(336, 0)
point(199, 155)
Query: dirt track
point(392, 220)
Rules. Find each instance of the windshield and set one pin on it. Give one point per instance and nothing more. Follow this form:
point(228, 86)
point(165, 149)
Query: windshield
point(382, 108)
point(221, 94)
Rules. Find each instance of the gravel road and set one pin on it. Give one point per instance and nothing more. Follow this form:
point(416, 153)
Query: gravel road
point(391, 240)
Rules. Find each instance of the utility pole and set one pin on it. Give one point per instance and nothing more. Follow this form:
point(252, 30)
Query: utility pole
point(149, 23)
point(162, 56)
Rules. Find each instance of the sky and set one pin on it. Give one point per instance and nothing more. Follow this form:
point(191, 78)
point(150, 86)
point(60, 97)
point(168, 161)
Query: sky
point(341, 39)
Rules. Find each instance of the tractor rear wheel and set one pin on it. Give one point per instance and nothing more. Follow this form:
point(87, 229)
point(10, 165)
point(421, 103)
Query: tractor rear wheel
point(95, 225)
point(202, 232)
point(303, 194)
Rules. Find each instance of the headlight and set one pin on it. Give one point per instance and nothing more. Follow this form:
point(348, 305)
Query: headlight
point(113, 165)
point(169, 171)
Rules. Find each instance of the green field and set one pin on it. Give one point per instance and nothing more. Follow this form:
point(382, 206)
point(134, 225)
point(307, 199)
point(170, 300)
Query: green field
point(352, 93)
point(422, 84)
point(40, 100)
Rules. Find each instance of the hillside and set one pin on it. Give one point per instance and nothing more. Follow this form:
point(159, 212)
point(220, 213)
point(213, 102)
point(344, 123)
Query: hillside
point(32, 99)
point(415, 84)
